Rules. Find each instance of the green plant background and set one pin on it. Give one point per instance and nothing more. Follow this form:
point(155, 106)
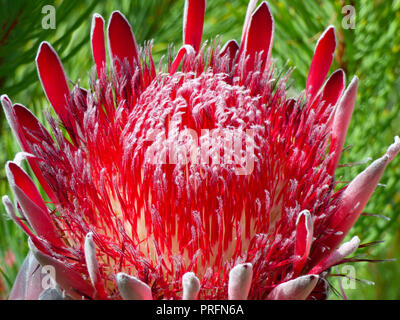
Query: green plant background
point(371, 51)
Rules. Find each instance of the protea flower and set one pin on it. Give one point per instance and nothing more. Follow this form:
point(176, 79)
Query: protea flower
point(198, 179)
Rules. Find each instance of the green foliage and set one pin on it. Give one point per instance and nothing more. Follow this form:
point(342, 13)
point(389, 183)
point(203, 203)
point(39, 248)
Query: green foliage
point(371, 51)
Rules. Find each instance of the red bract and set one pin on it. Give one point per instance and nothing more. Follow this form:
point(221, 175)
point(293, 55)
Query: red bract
point(197, 179)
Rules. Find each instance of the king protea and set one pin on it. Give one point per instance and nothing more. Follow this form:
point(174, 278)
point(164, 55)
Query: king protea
point(149, 198)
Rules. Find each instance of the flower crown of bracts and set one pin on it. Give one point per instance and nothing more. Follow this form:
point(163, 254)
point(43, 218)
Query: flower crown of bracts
point(125, 227)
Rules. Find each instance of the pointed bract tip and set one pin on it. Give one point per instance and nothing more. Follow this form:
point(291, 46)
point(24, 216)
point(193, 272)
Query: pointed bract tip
point(188, 49)
point(352, 87)
point(341, 121)
point(97, 16)
point(329, 35)
point(265, 10)
point(54, 82)
point(183, 51)
point(352, 201)
point(93, 266)
point(337, 255)
point(250, 9)
point(119, 15)
point(191, 286)
point(295, 289)
point(340, 73)
point(5, 99)
point(21, 156)
point(265, 6)
point(15, 173)
point(95, 20)
point(9, 206)
point(321, 61)
point(8, 109)
point(304, 238)
point(131, 288)
point(305, 213)
point(90, 250)
point(193, 22)
point(89, 236)
point(5, 199)
point(354, 80)
point(44, 45)
point(240, 278)
point(330, 30)
point(121, 41)
point(393, 149)
point(349, 247)
point(9, 173)
point(32, 247)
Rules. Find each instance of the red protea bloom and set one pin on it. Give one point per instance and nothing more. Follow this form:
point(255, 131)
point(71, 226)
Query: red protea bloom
point(199, 179)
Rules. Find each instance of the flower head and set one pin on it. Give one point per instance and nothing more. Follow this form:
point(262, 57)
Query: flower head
point(200, 178)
